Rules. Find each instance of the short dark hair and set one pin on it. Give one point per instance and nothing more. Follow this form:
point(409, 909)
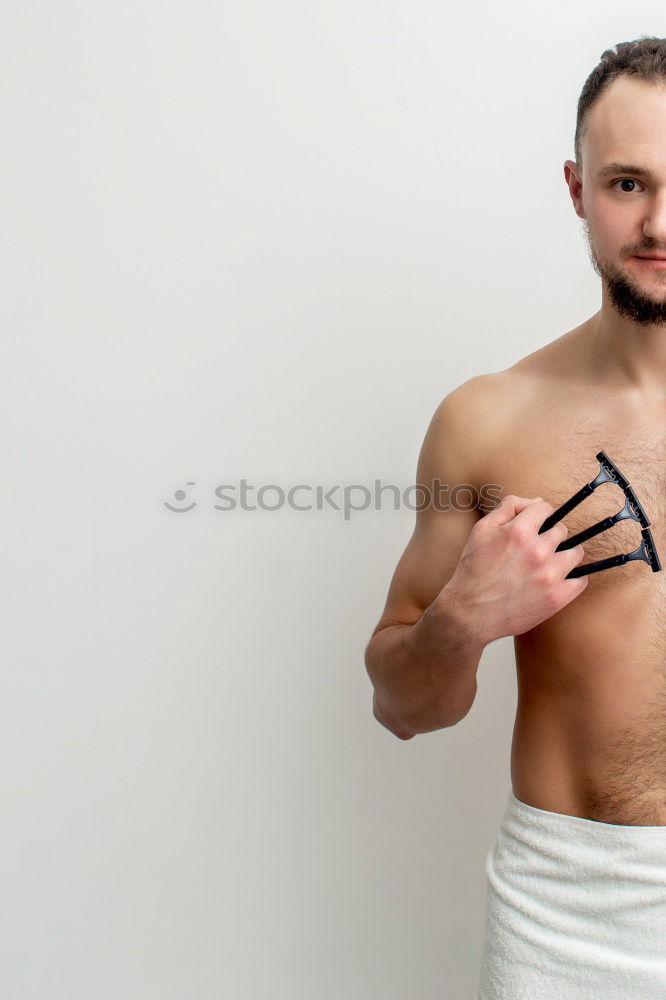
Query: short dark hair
point(645, 57)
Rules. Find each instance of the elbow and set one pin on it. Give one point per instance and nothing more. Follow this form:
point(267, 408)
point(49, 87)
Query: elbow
point(425, 722)
point(397, 728)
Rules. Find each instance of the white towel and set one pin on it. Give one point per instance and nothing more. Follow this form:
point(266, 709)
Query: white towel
point(575, 909)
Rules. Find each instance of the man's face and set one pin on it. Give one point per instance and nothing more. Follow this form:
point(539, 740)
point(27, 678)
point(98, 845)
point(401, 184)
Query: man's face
point(624, 212)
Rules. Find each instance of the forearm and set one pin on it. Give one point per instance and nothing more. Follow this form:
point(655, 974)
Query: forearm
point(424, 674)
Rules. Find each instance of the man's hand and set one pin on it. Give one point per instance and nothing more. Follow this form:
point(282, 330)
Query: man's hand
point(509, 578)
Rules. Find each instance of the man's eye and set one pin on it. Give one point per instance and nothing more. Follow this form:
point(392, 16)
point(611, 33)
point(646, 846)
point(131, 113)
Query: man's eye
point(624, 180)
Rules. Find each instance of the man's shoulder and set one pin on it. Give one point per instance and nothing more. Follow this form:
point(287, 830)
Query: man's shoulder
point(493, 397)
point(482, 401)
point(466, 426)
point(482, 416)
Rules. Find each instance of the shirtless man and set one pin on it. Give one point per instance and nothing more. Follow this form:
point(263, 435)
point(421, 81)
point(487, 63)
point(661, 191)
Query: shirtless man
point(589, 741)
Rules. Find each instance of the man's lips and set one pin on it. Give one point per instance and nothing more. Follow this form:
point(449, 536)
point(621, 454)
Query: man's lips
point(659, 263)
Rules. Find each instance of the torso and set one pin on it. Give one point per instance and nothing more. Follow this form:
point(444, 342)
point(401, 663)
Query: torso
point(590, 731)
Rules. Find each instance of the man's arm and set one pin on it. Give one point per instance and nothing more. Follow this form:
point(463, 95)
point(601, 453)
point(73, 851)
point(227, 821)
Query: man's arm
point(423, 654)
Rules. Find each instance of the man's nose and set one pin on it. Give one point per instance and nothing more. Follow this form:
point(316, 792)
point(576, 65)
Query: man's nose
point(654, 226)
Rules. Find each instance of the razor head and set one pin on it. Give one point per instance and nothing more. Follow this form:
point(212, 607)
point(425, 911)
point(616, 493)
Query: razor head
point(609, 472)
point(634, 508)
point(650, 550)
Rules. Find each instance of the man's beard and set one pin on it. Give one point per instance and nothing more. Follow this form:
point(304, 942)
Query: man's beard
point(625, 296)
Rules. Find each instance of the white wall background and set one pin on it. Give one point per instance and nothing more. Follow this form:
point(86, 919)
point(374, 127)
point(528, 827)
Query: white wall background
point(254, 241)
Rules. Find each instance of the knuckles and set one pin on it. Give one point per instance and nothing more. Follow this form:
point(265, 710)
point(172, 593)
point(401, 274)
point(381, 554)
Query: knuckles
point(540, 555)
point(548, 577)
point(519, 532)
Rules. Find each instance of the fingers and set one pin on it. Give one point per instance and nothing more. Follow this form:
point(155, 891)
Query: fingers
point(569, 558)
point(556, 534)
point(535, 513)
point(511, 506)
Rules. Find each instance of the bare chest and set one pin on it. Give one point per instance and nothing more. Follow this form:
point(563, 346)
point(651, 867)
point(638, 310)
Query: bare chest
point(554, 458)
point(592, 678)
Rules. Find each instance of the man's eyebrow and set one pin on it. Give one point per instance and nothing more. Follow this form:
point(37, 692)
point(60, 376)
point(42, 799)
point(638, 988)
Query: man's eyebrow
point(622, 168)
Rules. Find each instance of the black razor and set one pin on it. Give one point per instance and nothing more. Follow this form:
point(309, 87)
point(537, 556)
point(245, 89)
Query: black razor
point(608, 473)
point(632, 509)
point(646, 551)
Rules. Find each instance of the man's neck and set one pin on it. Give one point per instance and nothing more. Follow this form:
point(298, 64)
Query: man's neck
point(628, 354)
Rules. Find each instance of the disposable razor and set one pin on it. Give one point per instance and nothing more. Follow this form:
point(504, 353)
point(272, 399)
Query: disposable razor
point(608, 473)
point(632, 509)
point(645, 551)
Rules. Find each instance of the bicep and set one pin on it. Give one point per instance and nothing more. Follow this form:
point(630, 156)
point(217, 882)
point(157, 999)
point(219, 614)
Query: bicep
point(447, 459)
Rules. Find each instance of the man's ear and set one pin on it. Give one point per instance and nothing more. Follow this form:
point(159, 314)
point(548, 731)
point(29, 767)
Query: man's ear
point(572, 175)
